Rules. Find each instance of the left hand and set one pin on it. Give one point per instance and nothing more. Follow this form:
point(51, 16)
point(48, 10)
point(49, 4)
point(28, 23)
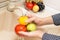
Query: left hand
point(37, 33)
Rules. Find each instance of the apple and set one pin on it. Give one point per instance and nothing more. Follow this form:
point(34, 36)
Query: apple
point(19, 28)
point(31, 27)
point(29, 5)
point(35, 8)
point(22, 20)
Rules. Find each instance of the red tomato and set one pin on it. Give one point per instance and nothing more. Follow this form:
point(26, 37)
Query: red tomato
point(20, 27)
point(29, 5)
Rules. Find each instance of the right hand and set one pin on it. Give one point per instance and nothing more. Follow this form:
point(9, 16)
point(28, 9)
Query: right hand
point(39, 21)
point(35, 19)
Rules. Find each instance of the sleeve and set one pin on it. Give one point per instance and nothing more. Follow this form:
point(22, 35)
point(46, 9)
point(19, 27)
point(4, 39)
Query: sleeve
point(56, 19)
point(50, 37)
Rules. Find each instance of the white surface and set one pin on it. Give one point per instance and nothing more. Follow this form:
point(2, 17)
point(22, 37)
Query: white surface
point(53, 3)
point(46, 12)
point(7, 35)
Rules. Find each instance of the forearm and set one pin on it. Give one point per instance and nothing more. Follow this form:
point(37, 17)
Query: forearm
point(47, 20)
point(55, 19)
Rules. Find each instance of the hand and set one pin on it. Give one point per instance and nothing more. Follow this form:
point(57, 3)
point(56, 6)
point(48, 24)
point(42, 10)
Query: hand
point(38, 20)
point(37, 33)
point(35, 19)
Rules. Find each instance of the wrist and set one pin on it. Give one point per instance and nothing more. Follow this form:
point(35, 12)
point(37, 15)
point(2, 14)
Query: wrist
point(47, 20)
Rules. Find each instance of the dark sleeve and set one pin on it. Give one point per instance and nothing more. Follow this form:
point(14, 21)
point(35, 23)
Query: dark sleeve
point(50, 37)
point(56, 19)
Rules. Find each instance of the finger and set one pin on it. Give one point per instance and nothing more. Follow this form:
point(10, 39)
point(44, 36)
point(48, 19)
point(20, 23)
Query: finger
point(30, 20)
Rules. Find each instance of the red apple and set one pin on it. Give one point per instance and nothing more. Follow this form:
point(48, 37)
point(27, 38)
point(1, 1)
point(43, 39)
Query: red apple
point(29, 5)
point(19, 28)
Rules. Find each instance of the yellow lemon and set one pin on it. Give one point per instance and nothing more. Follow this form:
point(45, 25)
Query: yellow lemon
point(22, 20)
point(35, 8)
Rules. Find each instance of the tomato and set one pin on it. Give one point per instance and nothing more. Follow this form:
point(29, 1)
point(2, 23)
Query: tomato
point(29, 5)
point(19, 28)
